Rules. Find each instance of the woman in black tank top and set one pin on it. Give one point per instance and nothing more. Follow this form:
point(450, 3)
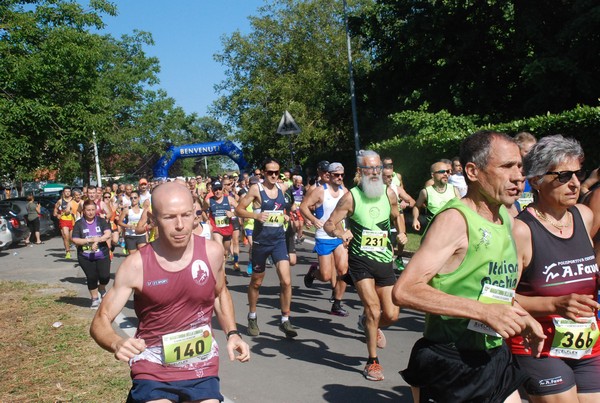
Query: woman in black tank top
point(559, 281)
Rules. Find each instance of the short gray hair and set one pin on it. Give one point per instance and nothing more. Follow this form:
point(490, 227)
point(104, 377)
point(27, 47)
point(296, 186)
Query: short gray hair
point(364, 154)
point(548, 152)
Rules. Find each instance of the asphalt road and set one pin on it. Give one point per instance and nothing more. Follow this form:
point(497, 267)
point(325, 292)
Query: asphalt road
point(324, 363)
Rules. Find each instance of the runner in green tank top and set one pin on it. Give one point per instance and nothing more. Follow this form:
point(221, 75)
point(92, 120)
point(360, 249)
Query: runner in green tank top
point(369, 208)
point(433, 197)
point(463, 277)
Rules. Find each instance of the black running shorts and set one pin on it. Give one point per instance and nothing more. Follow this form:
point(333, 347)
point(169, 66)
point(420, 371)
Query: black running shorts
point(445, 374)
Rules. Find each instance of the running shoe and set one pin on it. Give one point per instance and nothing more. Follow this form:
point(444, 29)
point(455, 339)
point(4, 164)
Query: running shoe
point(249, 268)
point(95, 303)
point(381, 340)
point(102, 294)
point(253, 329)
point(125, 252)
point(373, 372)
point(289, 330)
point(309, 277)
point(236, 266)
point(339, 311)
point(68, 255)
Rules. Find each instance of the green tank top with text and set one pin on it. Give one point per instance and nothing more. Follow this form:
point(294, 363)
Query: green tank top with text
point(491, 258)
point(370, 227)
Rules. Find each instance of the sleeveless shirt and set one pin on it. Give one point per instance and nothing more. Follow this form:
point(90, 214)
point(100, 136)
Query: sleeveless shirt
point(265, 234)
point(436, 200)
point(172, 302)
point(324, 210)
point(559, 266)
point(218, 216)
point(370, 215)
point(491, 258)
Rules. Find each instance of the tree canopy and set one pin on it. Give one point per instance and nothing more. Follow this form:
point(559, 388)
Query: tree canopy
point(61, 81)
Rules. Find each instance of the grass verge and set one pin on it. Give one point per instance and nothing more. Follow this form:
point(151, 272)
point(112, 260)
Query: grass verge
point(42, 363)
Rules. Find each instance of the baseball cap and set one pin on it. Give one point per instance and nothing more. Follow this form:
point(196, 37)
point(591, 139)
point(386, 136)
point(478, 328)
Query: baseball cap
point(335, 166)
point(143, 181)
point(322, 166)
point(217, 185)
point(254, 180)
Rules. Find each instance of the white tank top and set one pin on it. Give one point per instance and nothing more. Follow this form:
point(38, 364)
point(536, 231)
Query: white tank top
point(132, 219)
point(324, 210)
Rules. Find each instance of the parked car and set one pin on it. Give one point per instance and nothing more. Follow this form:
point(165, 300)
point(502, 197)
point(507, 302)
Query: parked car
point(16, 224)
point(5, 235)
point(19, 206)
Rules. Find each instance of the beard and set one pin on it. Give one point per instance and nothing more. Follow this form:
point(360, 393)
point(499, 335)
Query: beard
point(371, 188)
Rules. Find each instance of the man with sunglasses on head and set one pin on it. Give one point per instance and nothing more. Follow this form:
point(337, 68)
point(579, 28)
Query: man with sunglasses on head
point(268, 203)
point(370, 207)
point(435, 196)
point(332, 255)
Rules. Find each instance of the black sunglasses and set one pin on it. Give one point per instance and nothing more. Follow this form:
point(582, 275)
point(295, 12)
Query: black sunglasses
point(338, 175)
point(269, 173)
point(565, 176)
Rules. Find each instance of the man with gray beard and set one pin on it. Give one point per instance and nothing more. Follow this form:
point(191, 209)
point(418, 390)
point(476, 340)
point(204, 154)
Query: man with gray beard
point(369, 208)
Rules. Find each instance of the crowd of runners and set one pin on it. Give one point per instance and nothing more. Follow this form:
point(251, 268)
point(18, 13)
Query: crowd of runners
point(506, 271)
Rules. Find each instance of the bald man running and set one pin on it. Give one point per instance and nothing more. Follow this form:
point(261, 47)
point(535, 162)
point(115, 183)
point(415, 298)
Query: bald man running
point(177, 281)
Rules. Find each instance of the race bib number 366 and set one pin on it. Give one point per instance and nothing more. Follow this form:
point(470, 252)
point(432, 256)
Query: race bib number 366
point(187, 346)
point(573, 339)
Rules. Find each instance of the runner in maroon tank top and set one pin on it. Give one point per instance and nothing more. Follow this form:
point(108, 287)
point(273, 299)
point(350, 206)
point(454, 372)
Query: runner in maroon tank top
point(176, 281)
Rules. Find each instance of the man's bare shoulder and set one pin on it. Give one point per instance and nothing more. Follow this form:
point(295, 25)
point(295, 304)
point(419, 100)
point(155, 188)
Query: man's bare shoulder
point(130, 273)
point(450, 224)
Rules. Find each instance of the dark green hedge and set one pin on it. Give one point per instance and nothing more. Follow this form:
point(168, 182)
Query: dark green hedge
point(419, 138)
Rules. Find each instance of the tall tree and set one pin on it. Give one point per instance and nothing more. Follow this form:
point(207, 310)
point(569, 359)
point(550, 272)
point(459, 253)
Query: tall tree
point(294, 59)
point(59, 83)
point(501, 59)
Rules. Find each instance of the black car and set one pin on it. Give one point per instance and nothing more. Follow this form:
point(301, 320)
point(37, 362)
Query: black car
point(48, 226)
point(16, 224)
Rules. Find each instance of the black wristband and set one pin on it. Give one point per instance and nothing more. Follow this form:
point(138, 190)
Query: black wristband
point(232, 332)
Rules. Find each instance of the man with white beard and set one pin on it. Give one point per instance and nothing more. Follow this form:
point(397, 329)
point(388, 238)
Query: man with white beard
point(370, 207)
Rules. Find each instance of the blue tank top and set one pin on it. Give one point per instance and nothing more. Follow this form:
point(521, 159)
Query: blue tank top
point(271, 231)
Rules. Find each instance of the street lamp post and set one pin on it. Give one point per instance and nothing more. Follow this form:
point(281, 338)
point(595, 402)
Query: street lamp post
point(351, 75)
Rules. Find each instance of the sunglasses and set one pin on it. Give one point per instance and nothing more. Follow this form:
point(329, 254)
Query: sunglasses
point(377, 168)
point(338, 175)
point(442, 171)
point(565, 176)
point(269, 173)
point(217, 189)
point(134, 197)
point(107, 197)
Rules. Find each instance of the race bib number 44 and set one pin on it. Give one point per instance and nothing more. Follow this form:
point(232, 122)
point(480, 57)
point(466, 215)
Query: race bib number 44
point(573, 339)
point(188, 346)
point(374, 241)
point(491, 294)
point(274, 219)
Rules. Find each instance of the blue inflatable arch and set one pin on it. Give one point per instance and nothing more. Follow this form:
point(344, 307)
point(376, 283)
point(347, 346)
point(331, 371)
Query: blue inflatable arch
point(161, 168)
